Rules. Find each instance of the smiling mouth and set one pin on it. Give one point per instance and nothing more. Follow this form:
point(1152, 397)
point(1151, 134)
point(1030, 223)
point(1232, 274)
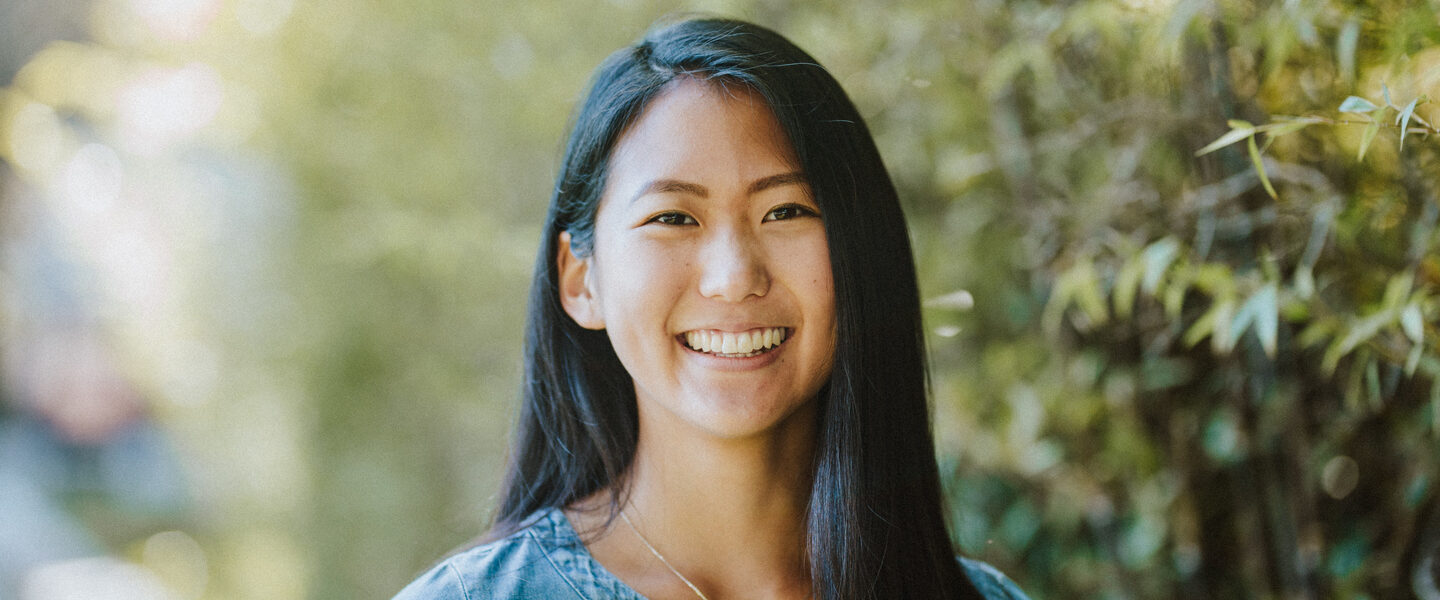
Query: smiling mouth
point(726, 344)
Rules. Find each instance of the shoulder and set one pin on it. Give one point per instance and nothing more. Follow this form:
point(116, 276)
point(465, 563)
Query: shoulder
point(990, 582)
point(543, 559)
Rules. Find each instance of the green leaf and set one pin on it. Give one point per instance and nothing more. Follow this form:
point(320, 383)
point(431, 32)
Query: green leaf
point(1361, 331)
point(1356, 104)
point(1221, 340)
point(1275, 130)
point(1127, 284)
point(1243, 318)
point(1316, 332)
point(1202, 327)
point(1345, 45)
point(1090, 298)
point(1175, 296)
point(1215, 278)
point(1304, 281)
point(1385, 91)
point(1260, 169)
point(1368, 137)
point(1404, 120)
point(1080, 286)
point(1158, 258)
point(1060, 297)
point(1413, 323)
point(1396, 290)
point(1268, 264)
point(1230, 137)
point(1262, 310)
point(1413, 360)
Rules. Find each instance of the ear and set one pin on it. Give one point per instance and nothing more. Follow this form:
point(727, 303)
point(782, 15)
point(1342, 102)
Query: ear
point(577, 295)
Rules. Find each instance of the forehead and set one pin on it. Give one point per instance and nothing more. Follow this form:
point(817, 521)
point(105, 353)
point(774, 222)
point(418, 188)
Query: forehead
point(694, 124)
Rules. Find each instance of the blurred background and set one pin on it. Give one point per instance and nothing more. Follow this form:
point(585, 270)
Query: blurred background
point(263, 267)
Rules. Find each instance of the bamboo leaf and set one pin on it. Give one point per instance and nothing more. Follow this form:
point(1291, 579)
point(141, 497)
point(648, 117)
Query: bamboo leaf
point(1230, 137)
point(1275, 130)
point(1175, 297)
point(1221, 340)
point(1356, 104)
point(1404, 120)
point(1060, 298)
point(1215, 278)
point(1396, 290)
point(1304, 281)
point(1413, 323)
point(1413, 360)
point(1345, 44)
point(1127, 283)
point(1385, 92)
point(1158, 258)
point(1202, 327)
point(1318, 331)
point(1368, 137)
point(1260, 169)
point(1090, 298)
point(1262, 310)
point(1361, 331)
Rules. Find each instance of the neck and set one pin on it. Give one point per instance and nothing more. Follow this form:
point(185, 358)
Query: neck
point(727, 513)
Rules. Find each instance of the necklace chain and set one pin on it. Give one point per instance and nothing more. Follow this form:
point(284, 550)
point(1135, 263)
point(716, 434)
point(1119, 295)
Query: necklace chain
point(660, 556)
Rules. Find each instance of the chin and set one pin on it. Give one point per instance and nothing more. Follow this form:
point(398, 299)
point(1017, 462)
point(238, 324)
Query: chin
point(747, 417)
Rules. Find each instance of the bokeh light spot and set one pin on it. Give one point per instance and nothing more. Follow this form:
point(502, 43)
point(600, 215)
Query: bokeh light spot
point(91, 578)
point(176, 19)
point(263, 17)
point(179, 561)
point(162, 107)
point(92, 182)
point(1340, 476)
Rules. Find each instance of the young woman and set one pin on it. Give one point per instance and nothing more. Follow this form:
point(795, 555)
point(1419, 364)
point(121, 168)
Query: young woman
point(725, 376)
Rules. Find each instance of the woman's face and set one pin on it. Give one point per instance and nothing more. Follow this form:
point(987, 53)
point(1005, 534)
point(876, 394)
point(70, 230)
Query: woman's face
point(710, 271)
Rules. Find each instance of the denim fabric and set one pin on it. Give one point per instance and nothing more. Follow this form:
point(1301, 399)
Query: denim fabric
point(546, 560)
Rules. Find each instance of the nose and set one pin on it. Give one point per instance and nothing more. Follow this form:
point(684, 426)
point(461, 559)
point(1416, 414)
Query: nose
point(733, 268)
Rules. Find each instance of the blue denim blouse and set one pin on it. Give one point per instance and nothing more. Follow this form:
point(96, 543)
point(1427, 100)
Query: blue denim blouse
point(546, 560)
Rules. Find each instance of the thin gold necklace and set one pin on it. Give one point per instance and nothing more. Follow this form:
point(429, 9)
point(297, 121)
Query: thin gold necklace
point(657, 554)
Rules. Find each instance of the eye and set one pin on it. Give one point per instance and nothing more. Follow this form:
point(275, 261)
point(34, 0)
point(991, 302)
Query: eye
point(789, 211)
point(672, 218)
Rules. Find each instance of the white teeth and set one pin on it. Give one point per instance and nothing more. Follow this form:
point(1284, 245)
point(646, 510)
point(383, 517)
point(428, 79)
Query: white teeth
point(743, 343)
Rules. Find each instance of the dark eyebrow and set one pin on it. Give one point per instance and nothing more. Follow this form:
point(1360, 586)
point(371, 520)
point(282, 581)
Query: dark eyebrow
point(670, 186)
point(664, 186)
point(791, 178)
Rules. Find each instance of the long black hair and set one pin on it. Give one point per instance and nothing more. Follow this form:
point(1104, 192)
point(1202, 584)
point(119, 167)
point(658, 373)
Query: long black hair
point(875, 522)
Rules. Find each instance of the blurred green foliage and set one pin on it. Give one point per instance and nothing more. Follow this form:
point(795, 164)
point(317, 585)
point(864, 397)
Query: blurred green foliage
point(1219, 372)
point(1157, 374)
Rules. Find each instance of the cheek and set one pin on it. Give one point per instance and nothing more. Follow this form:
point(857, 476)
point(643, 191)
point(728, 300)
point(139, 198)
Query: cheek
point(639, 286)
point(808, 261)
